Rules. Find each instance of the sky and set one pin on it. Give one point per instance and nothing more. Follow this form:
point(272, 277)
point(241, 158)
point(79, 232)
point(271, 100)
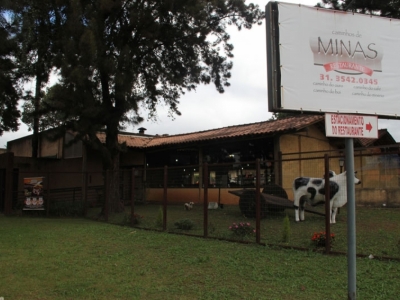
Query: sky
point(244, 102)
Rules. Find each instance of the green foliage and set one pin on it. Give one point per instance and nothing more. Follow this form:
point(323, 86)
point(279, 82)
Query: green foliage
point(388, 9)
point(160, 218)
point(281, 115)
point(9, 89)
point(286, 230)
point(118, 56)
point(52, 119)
point(211, 228)
point(184, 224)
point(115, 58)
point(38, 25)
point(127, 220)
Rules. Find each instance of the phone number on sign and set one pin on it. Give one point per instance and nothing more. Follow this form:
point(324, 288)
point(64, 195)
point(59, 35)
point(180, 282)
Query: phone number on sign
point(349, 79)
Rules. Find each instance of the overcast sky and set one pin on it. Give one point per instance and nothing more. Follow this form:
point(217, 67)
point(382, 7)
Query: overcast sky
point(245, 101)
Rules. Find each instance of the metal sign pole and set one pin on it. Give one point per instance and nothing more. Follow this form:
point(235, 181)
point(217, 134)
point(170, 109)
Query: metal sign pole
point(351, 219)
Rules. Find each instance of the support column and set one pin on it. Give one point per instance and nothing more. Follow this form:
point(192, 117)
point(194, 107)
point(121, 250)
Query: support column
point(351, 220)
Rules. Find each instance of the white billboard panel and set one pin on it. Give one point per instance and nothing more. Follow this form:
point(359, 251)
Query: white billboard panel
point(322, 60)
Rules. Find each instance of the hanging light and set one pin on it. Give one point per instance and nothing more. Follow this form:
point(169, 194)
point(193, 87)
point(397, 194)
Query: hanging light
point(341, 164)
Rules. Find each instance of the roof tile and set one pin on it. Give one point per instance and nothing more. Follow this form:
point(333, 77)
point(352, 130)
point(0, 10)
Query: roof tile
point(253, 129)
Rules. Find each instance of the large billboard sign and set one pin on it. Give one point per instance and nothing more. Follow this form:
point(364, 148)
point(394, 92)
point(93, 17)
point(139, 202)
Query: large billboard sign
point(321, 60)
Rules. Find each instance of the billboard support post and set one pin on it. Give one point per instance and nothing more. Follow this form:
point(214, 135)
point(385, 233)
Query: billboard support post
point(351, 220)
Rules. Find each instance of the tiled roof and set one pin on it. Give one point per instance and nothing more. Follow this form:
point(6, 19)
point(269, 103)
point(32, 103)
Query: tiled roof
point(133, 141)
point(384, 138)
point(253, 129)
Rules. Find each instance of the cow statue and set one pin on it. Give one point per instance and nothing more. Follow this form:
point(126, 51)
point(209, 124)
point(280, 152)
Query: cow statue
point(312, 190)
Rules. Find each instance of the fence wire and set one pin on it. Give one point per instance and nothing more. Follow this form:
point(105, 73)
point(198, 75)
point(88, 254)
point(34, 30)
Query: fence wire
point(221, 201)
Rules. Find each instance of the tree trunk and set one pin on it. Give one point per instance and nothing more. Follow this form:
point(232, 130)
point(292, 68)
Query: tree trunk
point(111, 165)
point(115, 204)
point(111, 159)
point(35, 136)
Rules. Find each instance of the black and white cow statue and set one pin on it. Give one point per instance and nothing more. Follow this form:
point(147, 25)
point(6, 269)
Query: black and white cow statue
point(312, 190)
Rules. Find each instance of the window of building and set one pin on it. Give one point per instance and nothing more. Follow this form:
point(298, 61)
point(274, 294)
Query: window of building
point(230, 164)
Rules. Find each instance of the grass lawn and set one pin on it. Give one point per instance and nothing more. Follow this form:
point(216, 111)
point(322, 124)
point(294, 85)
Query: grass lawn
point(81, 259)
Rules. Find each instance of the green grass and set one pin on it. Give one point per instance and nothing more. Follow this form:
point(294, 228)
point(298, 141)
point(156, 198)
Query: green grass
point(378, 229)
point(81, 259)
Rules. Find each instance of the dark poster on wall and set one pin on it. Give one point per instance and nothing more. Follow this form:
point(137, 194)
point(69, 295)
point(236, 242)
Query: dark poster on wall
point(33, 191)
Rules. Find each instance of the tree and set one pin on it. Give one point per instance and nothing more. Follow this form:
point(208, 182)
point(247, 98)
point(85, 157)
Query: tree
point(49, 119)
point(120, 55)
point(9, 90)
point(384, 8)
point(38, 26)
point(281, 115)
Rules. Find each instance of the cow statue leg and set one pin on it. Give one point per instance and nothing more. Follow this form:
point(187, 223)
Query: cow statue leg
point(333, 215)
point(302, 210)
point(296, 213)
point(299, 209)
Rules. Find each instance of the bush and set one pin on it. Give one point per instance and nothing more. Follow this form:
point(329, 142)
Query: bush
point(211, 228)
point(319, 239)
point(242, 229)
point(128, 220)
point(185, 224)
point(160, 218)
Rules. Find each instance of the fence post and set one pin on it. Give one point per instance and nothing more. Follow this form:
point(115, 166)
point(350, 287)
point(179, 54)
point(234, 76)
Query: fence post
point(8, 183)
point(280, 178)
point(106, 191)
point(327, 207)
point(133, 198)
point(258, 204)
point(84, 193)
point(165, 198)
point(84, 181)
point(205, 199)
point(48, 195)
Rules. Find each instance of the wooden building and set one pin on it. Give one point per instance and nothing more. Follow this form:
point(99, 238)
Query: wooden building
point(282, 146)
